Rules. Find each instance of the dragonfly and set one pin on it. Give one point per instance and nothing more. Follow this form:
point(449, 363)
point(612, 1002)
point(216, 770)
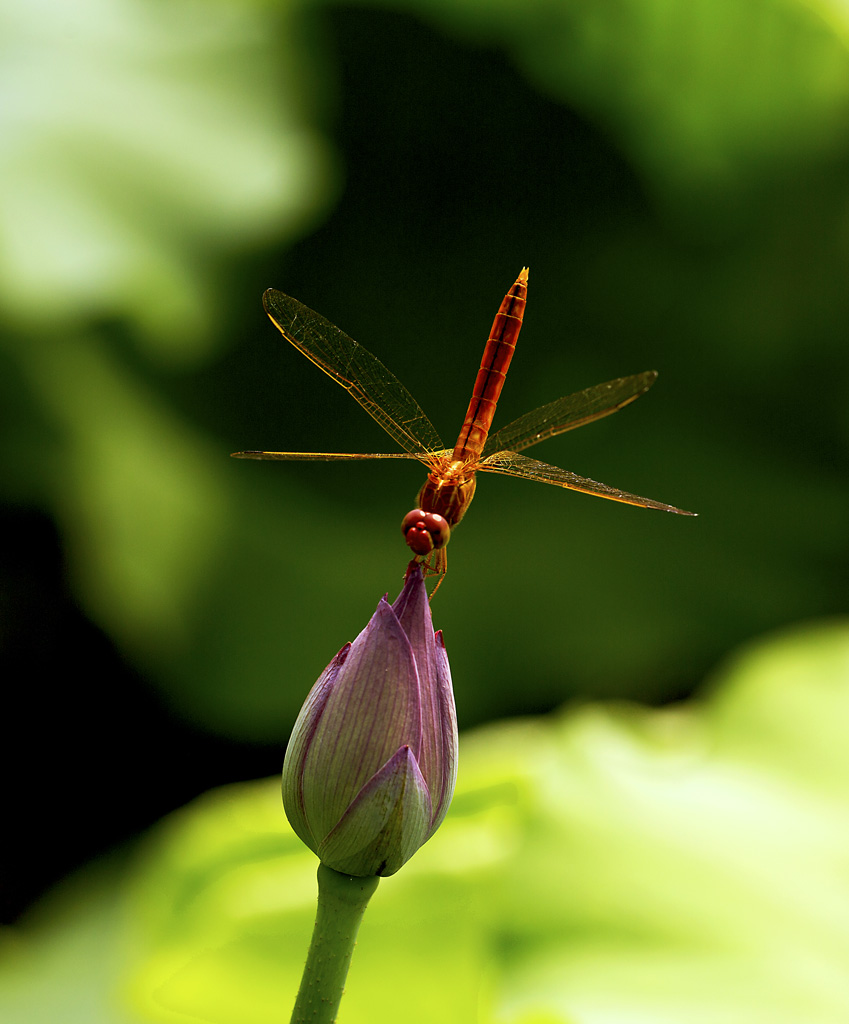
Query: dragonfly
point(452, 472)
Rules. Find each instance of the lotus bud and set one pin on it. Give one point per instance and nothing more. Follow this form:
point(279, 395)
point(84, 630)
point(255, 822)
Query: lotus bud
point(372, 762)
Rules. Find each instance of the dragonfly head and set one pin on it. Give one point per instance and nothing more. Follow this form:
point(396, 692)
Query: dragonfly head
point(425, 531)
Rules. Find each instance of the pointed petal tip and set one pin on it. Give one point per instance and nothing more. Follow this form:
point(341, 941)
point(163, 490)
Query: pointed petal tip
point(341, 656)
point(383, 609)
point(413, 594)
point(385, 824)
point(413, 570)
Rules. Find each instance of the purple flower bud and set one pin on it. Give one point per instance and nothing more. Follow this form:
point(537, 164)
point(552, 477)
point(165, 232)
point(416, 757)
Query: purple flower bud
point(371, 765)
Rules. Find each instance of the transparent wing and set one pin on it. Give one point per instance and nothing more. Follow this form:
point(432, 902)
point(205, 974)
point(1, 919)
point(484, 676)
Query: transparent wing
point(567, 413)
point(512, 464)
point(425, 457)
point(375, 387)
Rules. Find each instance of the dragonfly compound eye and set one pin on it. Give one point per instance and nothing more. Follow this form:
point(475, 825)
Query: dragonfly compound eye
point(425, 531)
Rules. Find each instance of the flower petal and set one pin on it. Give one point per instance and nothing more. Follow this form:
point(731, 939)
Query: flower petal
point(299, 744)
point(438, 755)
point(373, 707)
point(447, 743)
point(385, 825)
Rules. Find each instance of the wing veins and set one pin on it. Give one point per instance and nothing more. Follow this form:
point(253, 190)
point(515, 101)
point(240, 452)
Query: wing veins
point(421, 456)
point(363, 375)
point(513, 464)
point(569, 412)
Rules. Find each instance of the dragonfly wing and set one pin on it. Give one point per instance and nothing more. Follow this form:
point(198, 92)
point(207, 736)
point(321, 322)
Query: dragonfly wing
point(375, 387)
point(569, 412)
point(425, 457)
point(512, 464)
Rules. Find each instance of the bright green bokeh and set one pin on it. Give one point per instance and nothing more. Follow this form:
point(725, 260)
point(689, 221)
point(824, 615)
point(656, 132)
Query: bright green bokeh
point(605, 864)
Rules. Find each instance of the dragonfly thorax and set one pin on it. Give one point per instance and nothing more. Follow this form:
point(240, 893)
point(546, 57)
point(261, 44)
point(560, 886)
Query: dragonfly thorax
point(448, 490)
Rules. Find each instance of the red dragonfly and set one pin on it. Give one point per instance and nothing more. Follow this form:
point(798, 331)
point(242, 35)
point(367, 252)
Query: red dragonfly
point(450, 486)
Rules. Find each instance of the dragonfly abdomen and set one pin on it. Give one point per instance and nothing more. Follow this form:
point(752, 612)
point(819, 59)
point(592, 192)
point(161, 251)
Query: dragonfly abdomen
point(493, 370)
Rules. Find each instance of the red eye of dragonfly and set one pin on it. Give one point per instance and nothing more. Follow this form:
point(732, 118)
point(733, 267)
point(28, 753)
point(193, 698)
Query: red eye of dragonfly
point(450, 484)
point(425, 531)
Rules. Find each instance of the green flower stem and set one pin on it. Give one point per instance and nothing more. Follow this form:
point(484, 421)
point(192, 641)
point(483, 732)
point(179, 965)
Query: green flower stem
point(342, 900)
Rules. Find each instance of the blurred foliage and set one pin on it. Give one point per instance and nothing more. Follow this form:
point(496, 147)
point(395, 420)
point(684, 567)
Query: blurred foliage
point(701, 97)
point(141, 143)
point(607, 863)
point(145, 145)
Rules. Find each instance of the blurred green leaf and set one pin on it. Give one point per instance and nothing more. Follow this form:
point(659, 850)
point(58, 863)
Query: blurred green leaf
point(62, 966)
point(140, 497)
point(140, 140)
point(610, 863)
point(143, 144)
